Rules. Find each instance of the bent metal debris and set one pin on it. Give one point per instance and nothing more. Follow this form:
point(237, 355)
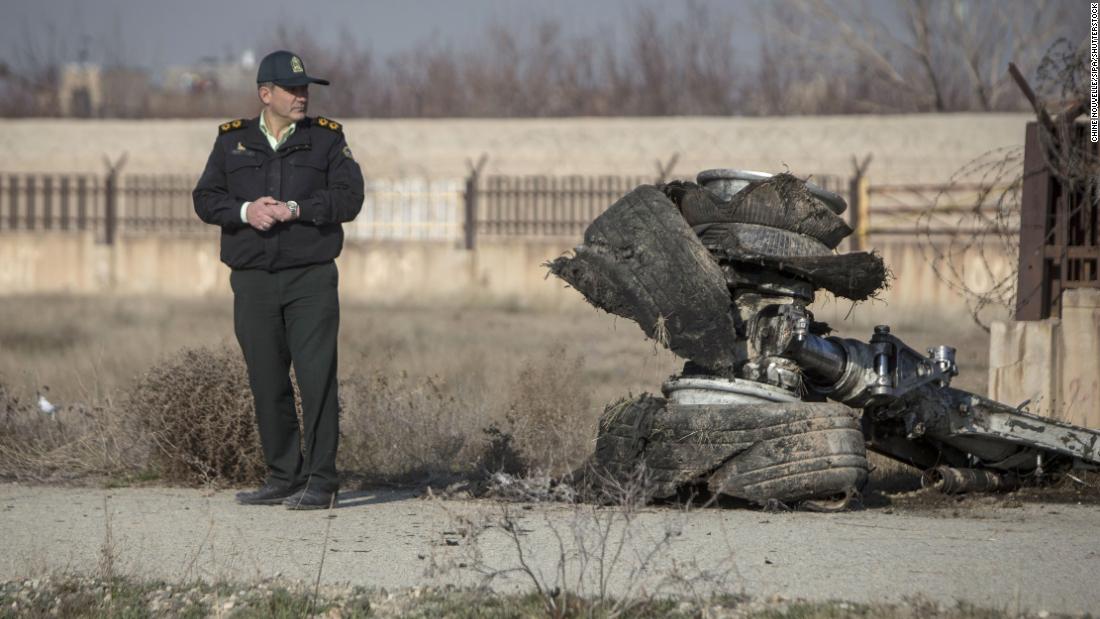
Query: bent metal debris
point(768, 406)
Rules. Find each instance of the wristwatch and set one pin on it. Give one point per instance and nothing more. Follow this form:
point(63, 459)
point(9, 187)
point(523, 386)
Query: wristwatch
point(293, 206)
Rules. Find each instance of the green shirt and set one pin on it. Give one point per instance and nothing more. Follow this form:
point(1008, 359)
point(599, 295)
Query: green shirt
point(271, 139)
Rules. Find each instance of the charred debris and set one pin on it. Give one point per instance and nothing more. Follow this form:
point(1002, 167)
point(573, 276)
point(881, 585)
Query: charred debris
point(768, 407)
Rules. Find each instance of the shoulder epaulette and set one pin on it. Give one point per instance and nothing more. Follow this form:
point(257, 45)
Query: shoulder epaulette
point(231, 125)
point(329, 124)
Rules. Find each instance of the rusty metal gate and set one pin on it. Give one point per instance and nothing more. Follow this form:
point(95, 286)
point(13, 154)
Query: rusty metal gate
point(1059, 227)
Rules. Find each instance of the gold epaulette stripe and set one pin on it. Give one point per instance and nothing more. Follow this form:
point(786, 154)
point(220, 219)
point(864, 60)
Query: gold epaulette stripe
point(231, 125)
point(330, 124)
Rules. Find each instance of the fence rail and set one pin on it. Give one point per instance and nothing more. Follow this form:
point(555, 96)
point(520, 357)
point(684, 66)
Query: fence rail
point(547, 205)
point(941, 210)
point(451, 210)
point(410, 209)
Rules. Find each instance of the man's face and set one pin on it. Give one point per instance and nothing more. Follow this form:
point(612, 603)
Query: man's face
point(289, 102)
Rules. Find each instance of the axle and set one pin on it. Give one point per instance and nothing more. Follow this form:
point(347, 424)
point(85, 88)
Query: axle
point(910, 412)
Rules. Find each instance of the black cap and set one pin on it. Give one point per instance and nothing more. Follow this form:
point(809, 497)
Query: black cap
point(285, 69)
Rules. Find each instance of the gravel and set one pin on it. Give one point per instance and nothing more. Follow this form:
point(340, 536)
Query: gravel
point(1022, 557)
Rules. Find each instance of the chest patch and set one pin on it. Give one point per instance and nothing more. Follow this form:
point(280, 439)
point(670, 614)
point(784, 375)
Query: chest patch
point(241, 149)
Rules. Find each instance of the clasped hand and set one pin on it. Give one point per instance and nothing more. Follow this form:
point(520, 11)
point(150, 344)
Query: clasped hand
point(264, 212)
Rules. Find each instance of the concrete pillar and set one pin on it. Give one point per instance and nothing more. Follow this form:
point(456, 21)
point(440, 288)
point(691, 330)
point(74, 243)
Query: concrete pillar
point(1053, 363)
point(1079, 380)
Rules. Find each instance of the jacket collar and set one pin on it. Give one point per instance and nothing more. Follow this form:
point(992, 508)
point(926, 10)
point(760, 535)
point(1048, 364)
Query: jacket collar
point(254, 138)
point(299, 138)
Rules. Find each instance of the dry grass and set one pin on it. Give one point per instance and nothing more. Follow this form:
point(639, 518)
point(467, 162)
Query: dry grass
point(69, 595)
point(427, 394)
point(403, 428)
point(156, 387)
point(73, 442)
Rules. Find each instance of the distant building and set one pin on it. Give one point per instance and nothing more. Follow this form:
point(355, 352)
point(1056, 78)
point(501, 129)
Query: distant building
point(209, 87)
point(87, 90)
point(213, 75)
point(80, 90)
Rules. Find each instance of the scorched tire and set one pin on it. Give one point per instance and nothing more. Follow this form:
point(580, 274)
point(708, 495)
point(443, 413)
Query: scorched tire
point(624, 433)
point(781, 201)
point(787, 451)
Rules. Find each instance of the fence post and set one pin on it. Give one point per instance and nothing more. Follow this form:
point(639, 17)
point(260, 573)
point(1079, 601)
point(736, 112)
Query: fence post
point(110, 198)
point(859, 207)
point(31, 197)
point(1037, 200)
point(664, 169)
point(470, 199)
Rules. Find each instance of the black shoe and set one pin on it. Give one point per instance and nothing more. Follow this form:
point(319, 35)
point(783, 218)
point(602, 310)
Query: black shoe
point(311, 498)
point(268, 494)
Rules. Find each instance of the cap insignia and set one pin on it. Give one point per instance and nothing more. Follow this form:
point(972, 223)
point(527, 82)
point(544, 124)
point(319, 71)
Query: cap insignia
point(296, 65)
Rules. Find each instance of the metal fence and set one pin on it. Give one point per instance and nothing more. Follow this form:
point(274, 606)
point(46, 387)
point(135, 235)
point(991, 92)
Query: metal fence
point(410, 209)
point(547, 205)
point(402, 209)
point(158, 203)
point(957, 209)
point(451, 210)
point(51, 202)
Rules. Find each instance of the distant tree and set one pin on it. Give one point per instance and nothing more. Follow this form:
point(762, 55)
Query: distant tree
point(925, 55)
point(814, 57)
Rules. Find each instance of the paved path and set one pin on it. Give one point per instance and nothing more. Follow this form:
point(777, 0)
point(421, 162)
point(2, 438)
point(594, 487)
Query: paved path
point(1033, 558)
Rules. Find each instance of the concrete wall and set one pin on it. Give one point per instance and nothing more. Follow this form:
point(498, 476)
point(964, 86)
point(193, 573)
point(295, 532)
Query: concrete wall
point(1054, 363)
point(508, 272)
point(390, 273)
point(911, 148)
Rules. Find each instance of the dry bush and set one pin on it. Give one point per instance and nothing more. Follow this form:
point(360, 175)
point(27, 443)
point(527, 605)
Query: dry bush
point(403, 428)
point(550, 415)
point(198, 412)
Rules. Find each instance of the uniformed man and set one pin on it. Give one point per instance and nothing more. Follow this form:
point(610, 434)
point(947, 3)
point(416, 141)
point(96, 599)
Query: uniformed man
point(279, 186)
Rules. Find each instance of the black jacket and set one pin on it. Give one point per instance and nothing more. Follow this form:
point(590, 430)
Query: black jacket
point(313, 167)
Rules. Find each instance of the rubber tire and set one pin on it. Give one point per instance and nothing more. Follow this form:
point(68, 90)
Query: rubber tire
point(641, 261)
point(736, 240)
point(624, 432)
point(781, 201)
point(787, 451)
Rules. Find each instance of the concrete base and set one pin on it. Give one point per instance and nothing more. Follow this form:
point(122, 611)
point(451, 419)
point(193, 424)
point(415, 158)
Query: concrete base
point(502, 271)
point(1054, 363)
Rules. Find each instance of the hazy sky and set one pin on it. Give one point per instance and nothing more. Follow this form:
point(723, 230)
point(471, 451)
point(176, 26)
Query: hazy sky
point(155, 33)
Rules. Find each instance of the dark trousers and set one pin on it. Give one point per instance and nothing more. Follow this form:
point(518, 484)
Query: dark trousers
point(292, 316)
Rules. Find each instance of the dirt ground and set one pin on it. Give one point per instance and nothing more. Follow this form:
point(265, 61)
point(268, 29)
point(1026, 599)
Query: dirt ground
point(1028, 558)
point(1014, 552)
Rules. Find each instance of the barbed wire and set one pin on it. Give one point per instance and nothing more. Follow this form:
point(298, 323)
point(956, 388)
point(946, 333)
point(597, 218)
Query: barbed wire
point(977, 259)
point(1062, 78)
